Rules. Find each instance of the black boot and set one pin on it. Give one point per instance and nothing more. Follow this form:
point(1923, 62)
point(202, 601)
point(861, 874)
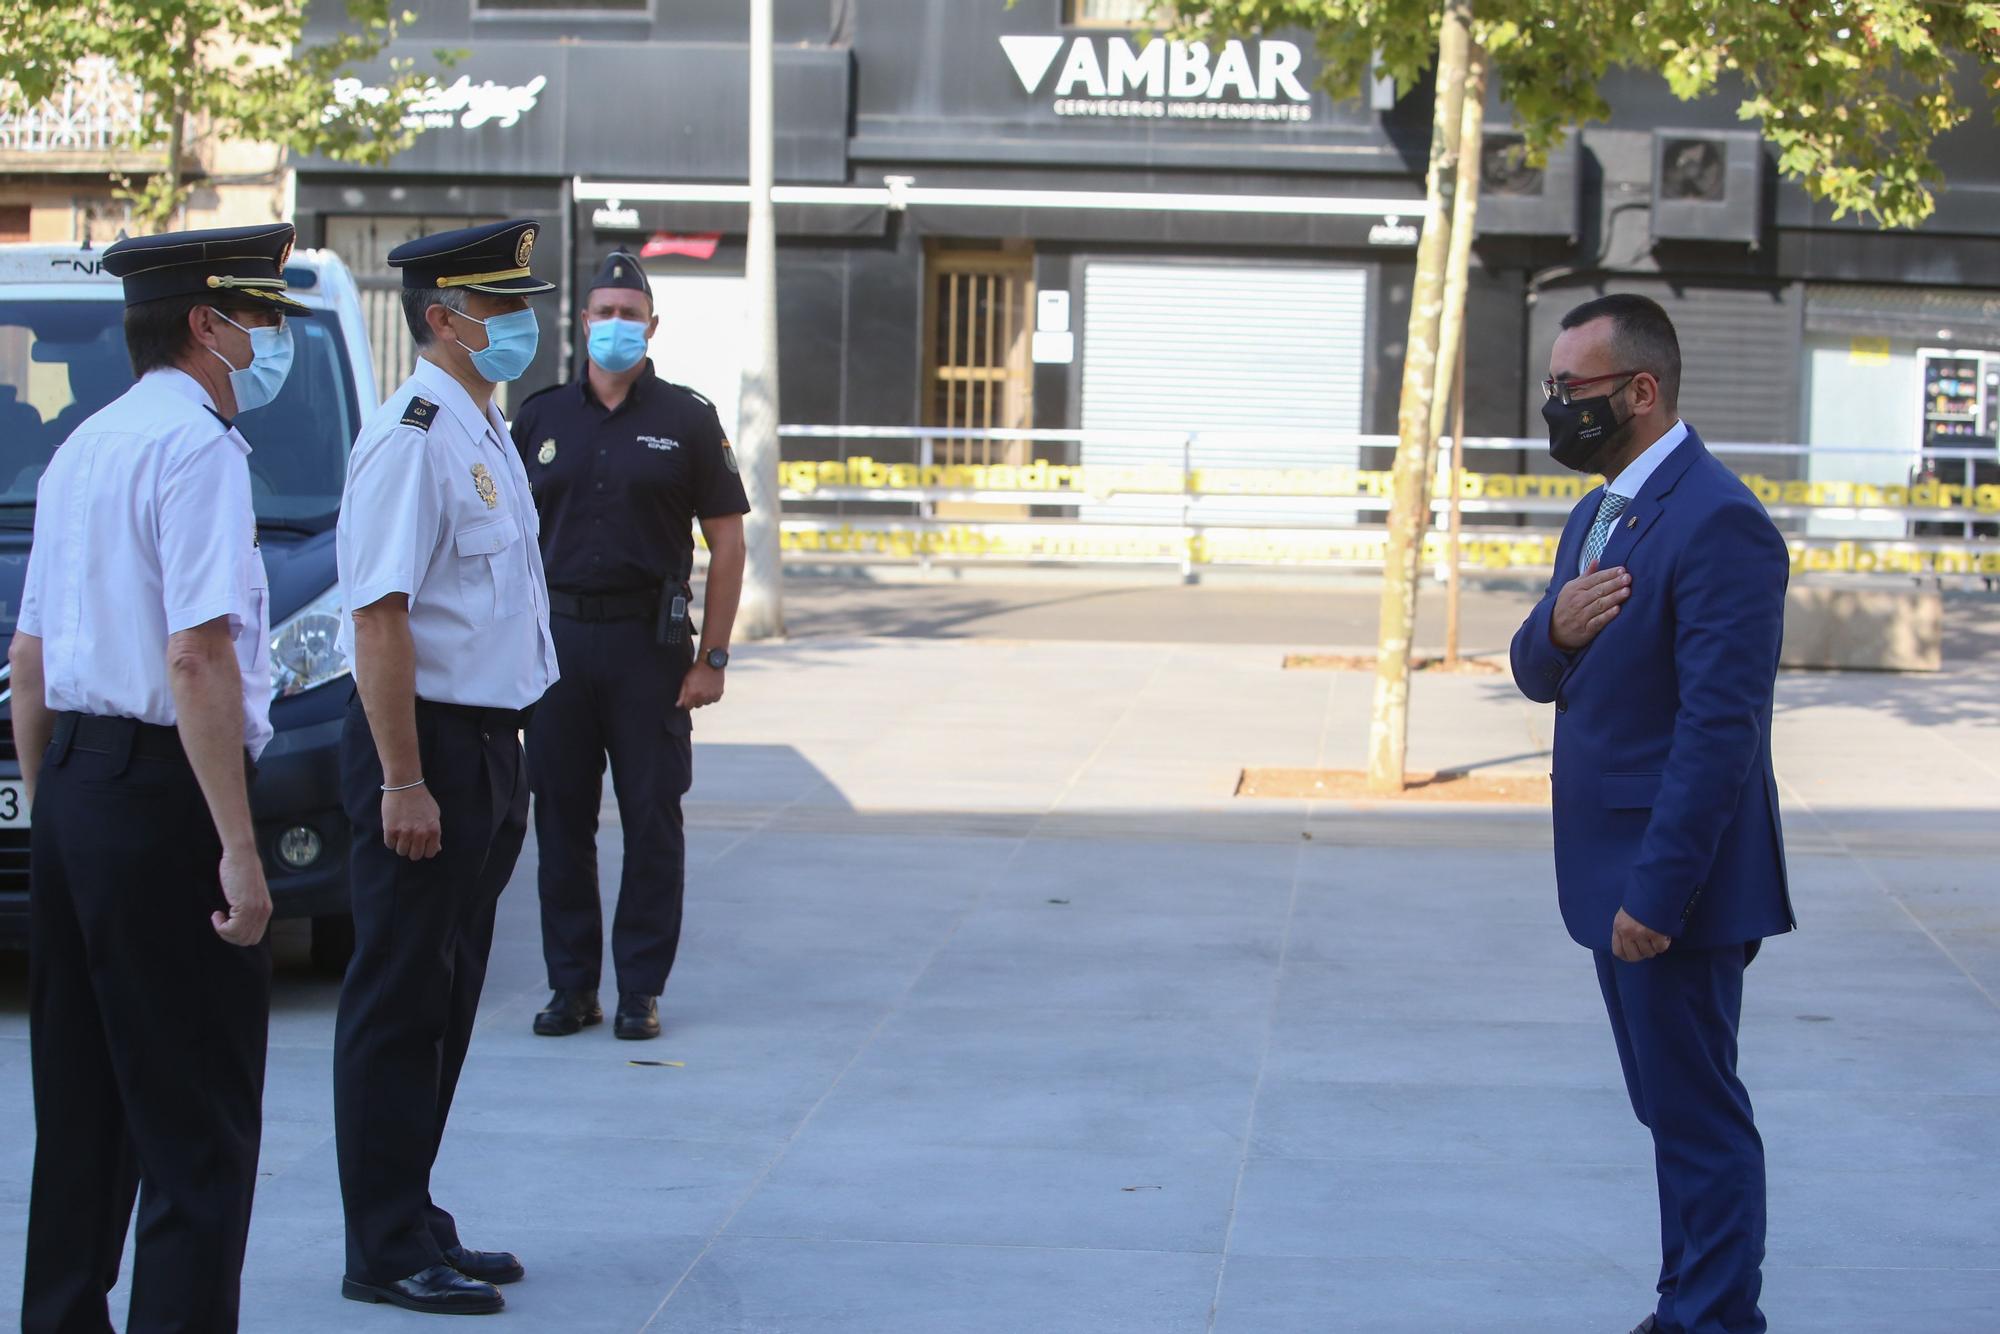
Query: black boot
point(638, 1016)
point(569, 1011)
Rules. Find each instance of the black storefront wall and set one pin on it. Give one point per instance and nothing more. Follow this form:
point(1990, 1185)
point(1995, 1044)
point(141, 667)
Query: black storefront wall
point(463, 23)
point(533, 115)
point(851, 305)
point(648, 111)
point(848, 336)
point(929, 91)
point(519, 120)
point(1004, 85)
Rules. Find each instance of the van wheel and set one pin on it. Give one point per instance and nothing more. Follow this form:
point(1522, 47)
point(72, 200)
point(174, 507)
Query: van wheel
point(332, 944)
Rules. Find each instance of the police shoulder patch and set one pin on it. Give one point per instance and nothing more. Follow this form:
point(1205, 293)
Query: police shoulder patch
point(420, 414)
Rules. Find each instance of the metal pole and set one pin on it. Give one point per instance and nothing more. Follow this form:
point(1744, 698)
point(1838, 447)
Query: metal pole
point(1187, 508)
point(762, 614)
point(1453, 579)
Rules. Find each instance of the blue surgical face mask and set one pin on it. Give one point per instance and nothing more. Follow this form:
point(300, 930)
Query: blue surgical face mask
point(511, 340)
point(617, 345)
point(270, 362)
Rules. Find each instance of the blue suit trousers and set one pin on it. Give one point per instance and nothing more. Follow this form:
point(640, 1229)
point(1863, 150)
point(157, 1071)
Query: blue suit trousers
point(1675, 1020)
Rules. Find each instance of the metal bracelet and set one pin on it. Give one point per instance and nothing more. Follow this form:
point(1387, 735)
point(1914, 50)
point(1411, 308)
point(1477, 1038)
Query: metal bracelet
point(404, 788)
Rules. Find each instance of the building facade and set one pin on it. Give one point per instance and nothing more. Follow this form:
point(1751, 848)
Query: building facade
point(1001, 217)
point(61, 163)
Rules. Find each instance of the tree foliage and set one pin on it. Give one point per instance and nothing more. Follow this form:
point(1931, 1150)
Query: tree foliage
point(1852, 93)
point(231, 69)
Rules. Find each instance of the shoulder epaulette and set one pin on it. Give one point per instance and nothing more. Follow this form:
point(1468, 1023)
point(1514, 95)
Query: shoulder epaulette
point(696, 394)
point(546, 389)
point(420, 414)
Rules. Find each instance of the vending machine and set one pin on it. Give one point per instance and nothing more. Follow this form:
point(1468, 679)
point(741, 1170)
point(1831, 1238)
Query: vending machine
point(1960, 412)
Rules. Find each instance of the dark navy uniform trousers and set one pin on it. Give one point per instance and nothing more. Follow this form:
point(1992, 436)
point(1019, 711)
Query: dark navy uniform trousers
point(1675, 1018)
point(422, 931)
point(617, 697)
point(147, 1034)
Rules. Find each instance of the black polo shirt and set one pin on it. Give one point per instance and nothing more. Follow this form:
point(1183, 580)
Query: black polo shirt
point(619, 490)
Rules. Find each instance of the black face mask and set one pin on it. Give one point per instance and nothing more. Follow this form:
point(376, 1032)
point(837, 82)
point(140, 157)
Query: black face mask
point(1581, 431)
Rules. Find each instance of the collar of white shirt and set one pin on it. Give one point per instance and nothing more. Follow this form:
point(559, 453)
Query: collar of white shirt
point(452, 396)
point(175, 381)
point(1640, 470)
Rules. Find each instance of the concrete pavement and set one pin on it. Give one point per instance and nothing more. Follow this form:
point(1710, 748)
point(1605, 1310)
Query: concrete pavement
point(998, 1013)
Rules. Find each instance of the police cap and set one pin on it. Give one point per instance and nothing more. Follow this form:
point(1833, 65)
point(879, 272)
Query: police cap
point(492, 258)
point(622, 270)
point(241, 261)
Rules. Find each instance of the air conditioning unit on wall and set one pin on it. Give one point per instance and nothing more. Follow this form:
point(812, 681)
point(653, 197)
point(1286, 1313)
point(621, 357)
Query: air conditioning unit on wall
point(1517, 198)
point(1708, 185)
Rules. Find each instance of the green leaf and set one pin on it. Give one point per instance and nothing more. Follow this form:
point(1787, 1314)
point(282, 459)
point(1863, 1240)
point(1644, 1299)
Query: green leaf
point(221, 71)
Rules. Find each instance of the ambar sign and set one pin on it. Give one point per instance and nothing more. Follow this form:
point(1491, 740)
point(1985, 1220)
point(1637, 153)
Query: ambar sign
point(1161, 80)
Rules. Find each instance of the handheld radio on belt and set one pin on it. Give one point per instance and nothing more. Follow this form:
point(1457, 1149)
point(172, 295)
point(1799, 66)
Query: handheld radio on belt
point(673, 627)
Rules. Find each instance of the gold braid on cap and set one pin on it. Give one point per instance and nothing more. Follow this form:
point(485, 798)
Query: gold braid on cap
point(266, 284)
point(467, 279)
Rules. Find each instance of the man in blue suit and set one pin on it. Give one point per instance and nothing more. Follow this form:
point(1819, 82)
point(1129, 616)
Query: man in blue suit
point(1657, 642)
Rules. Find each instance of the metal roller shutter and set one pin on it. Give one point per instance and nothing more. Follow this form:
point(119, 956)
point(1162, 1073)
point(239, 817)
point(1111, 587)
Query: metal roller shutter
point(1741, 354)
point(1960, 318)
point(1230, 350)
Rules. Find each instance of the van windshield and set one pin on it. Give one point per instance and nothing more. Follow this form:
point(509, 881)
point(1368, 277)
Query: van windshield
point(62, 360)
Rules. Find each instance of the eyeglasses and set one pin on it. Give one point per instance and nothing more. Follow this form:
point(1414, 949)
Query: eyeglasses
point(1561, 389)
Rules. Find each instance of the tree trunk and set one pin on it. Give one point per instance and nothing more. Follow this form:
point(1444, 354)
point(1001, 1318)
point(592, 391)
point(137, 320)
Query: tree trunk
point(762, 613)
point(1454, 511)
point(1464, 225)
point(170, 203)
point(176, 144)
point(1389, 726)
point(1451, 335)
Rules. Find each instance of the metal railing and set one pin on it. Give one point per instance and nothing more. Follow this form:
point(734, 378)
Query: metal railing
point(98, 108)
point(1206, 498)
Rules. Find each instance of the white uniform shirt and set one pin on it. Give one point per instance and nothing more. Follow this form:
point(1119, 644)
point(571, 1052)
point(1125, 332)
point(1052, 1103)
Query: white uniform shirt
point(437, 507)
point(143, 529)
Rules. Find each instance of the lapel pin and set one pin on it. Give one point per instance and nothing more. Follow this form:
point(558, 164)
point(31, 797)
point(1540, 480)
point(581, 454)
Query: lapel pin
point(1632, 522)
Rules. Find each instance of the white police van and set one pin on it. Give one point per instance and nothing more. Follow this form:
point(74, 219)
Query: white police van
point(62, 357)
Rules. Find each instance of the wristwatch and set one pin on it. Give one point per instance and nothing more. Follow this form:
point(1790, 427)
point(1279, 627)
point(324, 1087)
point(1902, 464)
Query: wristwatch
point(718, 658)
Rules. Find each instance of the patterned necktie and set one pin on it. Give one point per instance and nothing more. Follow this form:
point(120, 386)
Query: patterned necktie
point(1608, 510)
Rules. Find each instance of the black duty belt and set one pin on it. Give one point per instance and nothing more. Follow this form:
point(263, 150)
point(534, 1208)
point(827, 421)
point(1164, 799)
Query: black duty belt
point(95, 734)
point(641, 604)
point(508, 720)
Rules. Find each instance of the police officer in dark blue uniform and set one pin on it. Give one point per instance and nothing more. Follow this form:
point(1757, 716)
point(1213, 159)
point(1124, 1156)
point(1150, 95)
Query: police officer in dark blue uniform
point(623, 463)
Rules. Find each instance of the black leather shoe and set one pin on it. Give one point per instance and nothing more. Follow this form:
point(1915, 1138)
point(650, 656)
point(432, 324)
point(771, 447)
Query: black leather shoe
point(486, 1266)
point(638, 1016)
point(568, 1012)
point(439, 1290)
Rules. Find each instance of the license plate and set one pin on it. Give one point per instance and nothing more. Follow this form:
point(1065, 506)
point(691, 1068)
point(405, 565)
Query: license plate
point(13, 804)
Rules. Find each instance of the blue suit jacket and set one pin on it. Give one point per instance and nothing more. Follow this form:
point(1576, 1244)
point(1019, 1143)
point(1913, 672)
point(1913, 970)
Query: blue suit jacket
point(1665, 803)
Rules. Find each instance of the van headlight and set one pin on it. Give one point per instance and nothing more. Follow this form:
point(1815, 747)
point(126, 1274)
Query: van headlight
point(305, 649)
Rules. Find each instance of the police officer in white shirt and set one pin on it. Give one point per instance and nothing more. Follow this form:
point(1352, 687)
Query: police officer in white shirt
point(449, 638)
point(142, 691)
